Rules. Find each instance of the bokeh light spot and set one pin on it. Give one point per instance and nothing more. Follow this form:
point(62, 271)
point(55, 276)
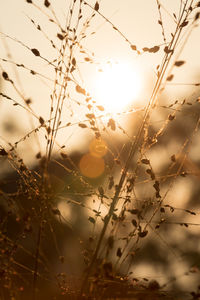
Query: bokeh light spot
point(98, 147)
point(91, 166)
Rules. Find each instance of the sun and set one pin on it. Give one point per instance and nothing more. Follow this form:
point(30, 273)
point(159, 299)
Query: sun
point(117, 85)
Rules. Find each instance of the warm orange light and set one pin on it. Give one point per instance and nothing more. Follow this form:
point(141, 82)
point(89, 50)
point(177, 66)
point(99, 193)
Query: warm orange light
point(91, 166)
point(98, 148)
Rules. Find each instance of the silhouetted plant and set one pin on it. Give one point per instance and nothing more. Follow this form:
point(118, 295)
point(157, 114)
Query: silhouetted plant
point(77, 224)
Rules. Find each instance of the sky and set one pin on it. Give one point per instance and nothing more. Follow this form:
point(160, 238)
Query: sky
point(137, 20)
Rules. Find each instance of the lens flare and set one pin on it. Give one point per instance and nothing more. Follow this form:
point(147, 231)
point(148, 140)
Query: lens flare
point(98, 147)
point(91, 166)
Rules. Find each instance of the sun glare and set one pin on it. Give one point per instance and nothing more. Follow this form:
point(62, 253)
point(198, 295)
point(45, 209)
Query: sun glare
point(116, 86)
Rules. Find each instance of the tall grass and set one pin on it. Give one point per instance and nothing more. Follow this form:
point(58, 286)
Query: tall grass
point(84, 223)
